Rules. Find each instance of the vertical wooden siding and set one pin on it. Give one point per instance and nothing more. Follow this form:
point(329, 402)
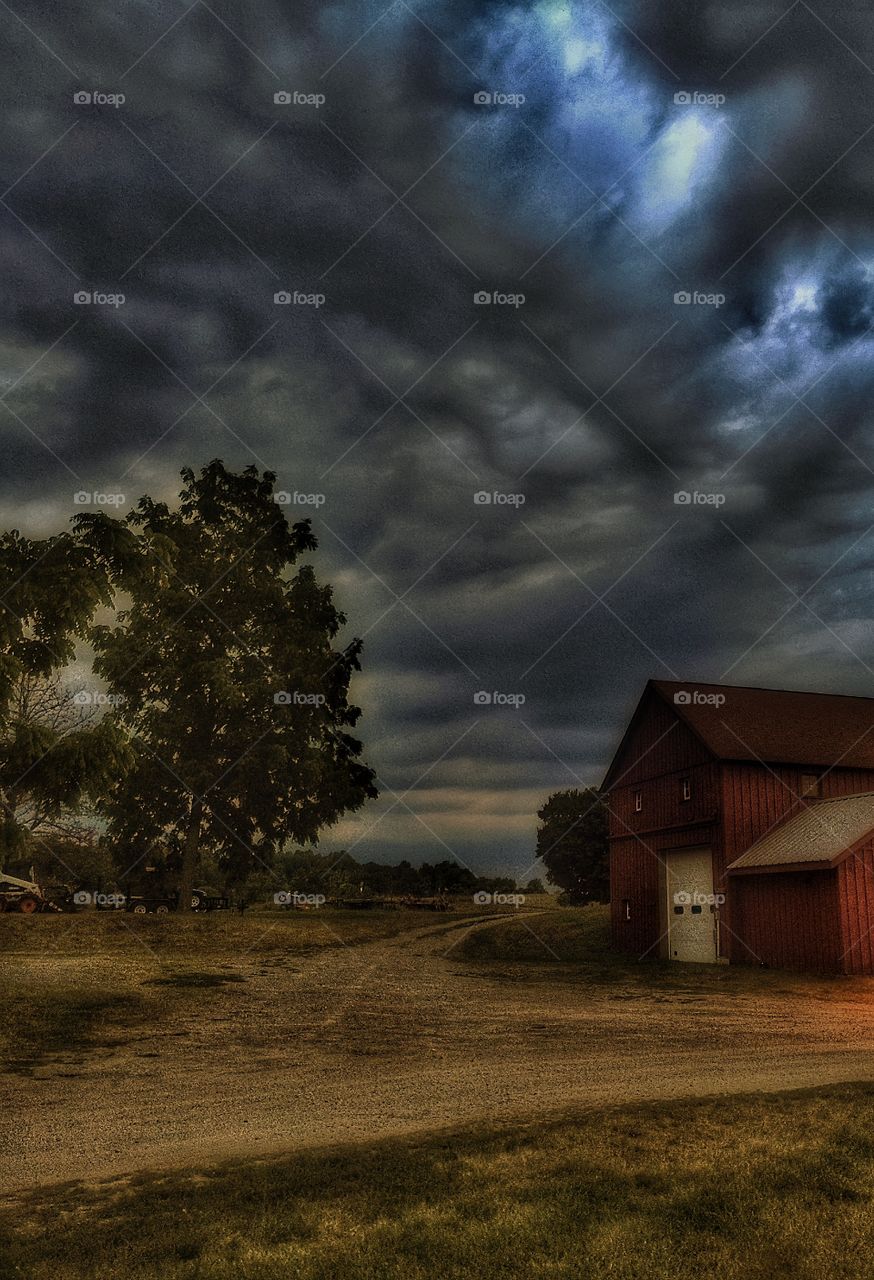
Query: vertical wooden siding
point(756, 797)
point(789, 920)
point(856, 903)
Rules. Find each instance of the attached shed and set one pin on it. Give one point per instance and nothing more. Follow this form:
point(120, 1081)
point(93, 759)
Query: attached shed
point(803, 895)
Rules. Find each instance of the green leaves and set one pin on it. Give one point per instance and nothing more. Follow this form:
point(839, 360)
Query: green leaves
point(572, 844)
point(226, 674)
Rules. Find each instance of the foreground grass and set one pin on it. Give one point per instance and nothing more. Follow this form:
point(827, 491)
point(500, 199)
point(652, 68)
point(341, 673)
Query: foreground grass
point(744, 1188)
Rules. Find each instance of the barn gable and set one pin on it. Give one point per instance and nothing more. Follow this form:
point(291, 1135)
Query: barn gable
point(657, 740)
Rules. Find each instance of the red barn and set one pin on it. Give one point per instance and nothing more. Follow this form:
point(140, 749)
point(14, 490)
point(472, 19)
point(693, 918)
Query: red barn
point(742, 828)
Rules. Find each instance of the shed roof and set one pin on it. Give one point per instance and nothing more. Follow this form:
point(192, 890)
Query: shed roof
point(818, 835)
point(780, 726)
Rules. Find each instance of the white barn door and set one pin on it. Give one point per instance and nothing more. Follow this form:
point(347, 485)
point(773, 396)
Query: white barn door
point(690, 908)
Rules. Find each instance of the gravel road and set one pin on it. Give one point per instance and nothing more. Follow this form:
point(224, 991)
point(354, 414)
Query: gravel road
point(396, 1037)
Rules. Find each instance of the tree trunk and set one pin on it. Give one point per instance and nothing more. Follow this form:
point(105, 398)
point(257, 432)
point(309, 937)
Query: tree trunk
point(190, 856)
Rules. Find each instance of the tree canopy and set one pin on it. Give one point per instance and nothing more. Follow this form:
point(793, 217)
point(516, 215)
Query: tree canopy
point(226, 677)
point(50, 761)
point(572, 844)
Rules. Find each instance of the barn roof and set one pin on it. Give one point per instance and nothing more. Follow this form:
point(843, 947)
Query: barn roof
point(816, 836)
point(780, 726)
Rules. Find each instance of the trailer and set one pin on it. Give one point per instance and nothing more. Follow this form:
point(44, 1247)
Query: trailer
point(162, 904)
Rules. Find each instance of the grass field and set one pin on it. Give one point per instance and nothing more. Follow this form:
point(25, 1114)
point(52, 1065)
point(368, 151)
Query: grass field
point(172, 937)
point(89, 977)
point(744, 1188)
point(573, 945)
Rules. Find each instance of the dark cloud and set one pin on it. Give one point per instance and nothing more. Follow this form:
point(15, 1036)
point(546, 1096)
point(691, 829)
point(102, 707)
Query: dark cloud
point(599, 198)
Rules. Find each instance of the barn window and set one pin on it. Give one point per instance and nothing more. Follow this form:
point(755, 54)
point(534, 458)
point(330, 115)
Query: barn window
point(626, 908)
point(809, 784)
point(687, 789)
point(638, 801)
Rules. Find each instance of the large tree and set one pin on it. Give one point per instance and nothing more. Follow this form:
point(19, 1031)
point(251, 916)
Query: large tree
point(226, 677)
point(572, 844)
point(49, 763)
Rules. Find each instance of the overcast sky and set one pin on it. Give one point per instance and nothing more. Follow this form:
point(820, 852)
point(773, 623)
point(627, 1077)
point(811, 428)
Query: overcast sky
point(629, 157)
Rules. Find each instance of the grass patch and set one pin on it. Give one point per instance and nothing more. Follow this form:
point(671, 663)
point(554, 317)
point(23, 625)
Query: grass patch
point(744, 1188)
point(258, 933)
point(573, 945)
point(95, 979)
point(51, 1022)
point(565, 936)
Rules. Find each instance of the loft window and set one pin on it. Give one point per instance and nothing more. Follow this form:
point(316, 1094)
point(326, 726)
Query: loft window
point(638, 801)
point(687, 789)
point(809, 784)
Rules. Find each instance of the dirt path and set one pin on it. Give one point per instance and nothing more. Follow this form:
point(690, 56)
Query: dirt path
point(399, 1036)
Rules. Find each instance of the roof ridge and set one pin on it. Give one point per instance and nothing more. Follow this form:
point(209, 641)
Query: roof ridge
point(763, 688)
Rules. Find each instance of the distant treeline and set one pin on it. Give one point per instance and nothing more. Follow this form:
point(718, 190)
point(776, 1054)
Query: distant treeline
point(91, 865)
point(342, 875)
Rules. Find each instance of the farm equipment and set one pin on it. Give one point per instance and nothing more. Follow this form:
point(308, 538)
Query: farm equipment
point(163, 904)
point(61, 897)
point(203, 901)
point(25, 896)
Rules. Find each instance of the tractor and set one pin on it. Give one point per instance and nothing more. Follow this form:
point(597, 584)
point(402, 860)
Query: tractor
point(23, 895)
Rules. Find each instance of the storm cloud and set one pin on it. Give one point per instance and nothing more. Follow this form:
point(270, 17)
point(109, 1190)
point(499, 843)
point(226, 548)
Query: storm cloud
point(578, 350)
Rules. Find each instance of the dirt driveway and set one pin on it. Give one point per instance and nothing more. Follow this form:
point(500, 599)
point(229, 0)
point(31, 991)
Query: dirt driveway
point(397, 1036)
